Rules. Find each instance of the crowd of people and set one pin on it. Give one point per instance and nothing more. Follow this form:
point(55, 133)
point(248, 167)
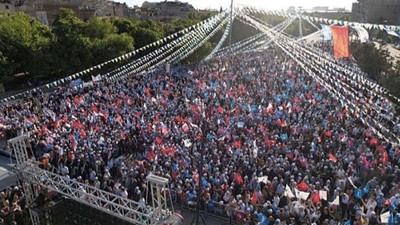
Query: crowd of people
point(277, 147)
point(13, 206)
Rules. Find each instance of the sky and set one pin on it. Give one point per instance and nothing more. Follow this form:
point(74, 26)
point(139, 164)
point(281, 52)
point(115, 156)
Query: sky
point(263, 4)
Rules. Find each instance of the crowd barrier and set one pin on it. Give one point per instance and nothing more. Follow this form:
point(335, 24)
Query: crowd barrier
point(210, 208)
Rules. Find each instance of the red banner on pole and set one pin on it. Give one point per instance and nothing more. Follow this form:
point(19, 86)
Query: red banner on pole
point(341, 47)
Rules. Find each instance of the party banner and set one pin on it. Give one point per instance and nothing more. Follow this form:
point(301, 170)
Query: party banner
point(341, 46)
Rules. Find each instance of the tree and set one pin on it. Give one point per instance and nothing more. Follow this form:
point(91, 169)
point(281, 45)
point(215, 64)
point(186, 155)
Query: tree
point(127, 26)
point(22, 38)
point(112, 46)
point(98, 28)
point(145, 36)
point(199, 54)
point(374, 61)
point(392, 80)
point(80, 45)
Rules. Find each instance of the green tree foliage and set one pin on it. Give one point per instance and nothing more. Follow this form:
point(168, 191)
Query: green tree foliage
point(80, 44)
point(241, 31)
point(200, 53)
point(21, 40)
point(27, 46)
point(392, 80)
point(378, 64)
point(372, 60)
point(44, 54)
point(124, 25)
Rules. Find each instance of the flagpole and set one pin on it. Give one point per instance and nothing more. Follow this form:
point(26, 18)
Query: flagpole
point(201, 151)
point(230, 32)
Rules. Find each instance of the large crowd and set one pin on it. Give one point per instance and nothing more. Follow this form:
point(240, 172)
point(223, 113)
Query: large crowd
point(277, 147)
point(13, 206)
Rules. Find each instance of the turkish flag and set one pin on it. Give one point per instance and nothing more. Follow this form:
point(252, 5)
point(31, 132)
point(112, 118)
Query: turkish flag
point(341, 47)
point(158, 140)
point(332, 157)
point(254, 198)
point(237, 144)
point(302, 186)
point(315, 197)
point(373, 141)
point(238, 178)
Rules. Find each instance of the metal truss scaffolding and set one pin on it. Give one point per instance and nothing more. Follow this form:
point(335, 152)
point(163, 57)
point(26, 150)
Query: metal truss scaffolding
point(33, 176)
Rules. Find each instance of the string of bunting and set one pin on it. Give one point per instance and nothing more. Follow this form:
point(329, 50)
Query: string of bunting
point(146, 60)
point(167, 39)
point(239, 44)
point(192, 44)
point(257, 46)
point(342, 98)
point(222, 40)
point(193, 48)
point(358, 76)
point(251, 42)
point(189, 38)
point(373, 86)
point(368, 26)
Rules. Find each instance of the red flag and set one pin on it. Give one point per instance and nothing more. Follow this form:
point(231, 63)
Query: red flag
point(315, 197)
point(220, 109)
point(385, 158)
point(254, 198)
point(341, 45)
point(94, 108)
point(158, 140)
point(104, 114)
point(185, 128)
point(195, 110)
point(328, 134)
point(373, 142)
point(147, 91)
point(129, 102)
point(78, 99)
point(77, 125)
point(238, 178)
point(332, 157)
point(172, 151)
point(302, 186)
point(365, 160)
point(119, 120)
point(73, 142)
point(164, 151)
point(82, 133)
point(156, 118)
point(150, 155)
point(237, 144)
point(122, 134)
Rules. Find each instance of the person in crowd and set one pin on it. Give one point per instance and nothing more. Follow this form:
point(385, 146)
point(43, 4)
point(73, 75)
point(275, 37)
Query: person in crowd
point(12, 206)
point(277, 146)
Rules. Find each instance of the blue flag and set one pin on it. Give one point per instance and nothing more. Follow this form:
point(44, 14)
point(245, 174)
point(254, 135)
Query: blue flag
point(358, 193)
point(263, 219)
point(326, 31)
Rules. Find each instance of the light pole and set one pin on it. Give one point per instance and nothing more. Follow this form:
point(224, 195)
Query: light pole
point(230, 32)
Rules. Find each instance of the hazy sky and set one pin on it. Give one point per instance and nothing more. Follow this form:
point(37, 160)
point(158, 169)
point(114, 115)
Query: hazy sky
point(265, 4)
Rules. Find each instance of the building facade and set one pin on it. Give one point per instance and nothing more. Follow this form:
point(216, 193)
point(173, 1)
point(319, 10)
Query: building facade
point(377, 11)
point(104, 8)
point(167, 10)
point(6, 6)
